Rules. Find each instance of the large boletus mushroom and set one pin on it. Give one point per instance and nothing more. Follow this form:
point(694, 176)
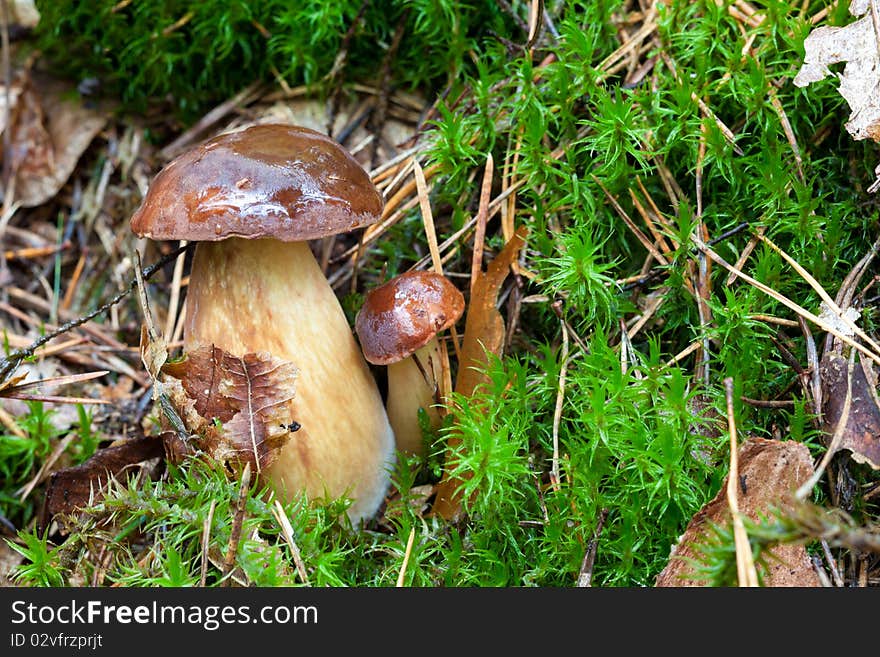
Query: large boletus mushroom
point(252, 199)
point(397, 326)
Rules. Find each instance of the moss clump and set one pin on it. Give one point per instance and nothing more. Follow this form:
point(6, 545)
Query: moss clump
point(199, 53)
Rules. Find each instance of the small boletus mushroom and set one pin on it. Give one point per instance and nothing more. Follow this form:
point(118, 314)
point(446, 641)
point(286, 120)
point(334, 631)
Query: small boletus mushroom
point(397, 326)
point(252, 199)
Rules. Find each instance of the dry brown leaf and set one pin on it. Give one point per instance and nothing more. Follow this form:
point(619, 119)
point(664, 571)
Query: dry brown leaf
point(16, 388)
point(51, 128)
point(861, 434)
point(483, 337)
point(857, 45)
point(769, 473)
point(77, 486)
point(236, 405)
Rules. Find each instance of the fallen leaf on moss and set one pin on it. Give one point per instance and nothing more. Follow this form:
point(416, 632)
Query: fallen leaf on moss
point(9, 560)
point(74, 487)
point(236, 405)
point(861, 433)
point(857, 45)
point(769, 472)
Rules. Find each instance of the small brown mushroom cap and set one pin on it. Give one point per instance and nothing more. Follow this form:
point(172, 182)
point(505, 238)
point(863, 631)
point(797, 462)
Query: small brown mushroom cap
point(403, 314)
point(272, 180)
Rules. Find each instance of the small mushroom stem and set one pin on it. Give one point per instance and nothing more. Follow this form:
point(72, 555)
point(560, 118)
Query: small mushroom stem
point(412, 384)
point(268, 295)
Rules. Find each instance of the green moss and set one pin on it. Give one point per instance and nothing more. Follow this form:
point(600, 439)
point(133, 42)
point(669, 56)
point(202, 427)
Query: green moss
point(637, 455)
point(196, 54)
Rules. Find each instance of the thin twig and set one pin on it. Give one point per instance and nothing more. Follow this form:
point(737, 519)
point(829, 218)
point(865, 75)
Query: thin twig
point(585, 576)
point(287, 530)
point(832, 566)
point(237, 522)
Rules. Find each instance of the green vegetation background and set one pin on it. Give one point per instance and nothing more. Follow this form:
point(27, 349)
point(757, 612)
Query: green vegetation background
point(634, 444)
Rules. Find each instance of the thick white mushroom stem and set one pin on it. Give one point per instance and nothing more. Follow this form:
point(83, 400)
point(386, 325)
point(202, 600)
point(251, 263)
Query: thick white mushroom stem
point(412, 384)
point(267, 295)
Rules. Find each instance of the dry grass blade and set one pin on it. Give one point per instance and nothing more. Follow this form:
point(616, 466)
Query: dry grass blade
point(46, 467)
point(707, 111)
point(431, 236)
point(174, 299)
point(206, 542)
point(557, 411)
point(11, 425)
point(237, 523)
point(803, 312)
point(837, 438)
point(745, 565)
point(287, 530)
point(482, 219)
point(831, 303)
point(645, 241)
point(647, 29)
point(409, 545)
point(32, 390)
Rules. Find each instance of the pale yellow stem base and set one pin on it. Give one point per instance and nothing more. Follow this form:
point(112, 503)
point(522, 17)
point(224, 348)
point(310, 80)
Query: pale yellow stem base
point(409, 390)
point(266, 295)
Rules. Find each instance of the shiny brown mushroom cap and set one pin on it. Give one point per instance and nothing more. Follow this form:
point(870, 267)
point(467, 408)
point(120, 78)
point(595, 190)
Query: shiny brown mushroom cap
point(403, 314)
point(271, 180)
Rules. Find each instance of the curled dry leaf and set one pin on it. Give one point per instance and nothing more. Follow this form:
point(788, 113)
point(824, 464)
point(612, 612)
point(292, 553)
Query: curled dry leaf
point(74, 487)
point(237, 406)
point(861, 433)
point(50, 130)
point(857, 45)
point(769, 472)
